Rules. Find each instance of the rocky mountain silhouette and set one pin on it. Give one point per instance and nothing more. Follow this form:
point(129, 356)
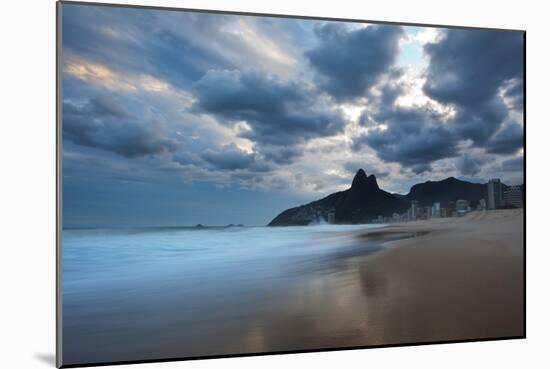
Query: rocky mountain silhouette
point(450, 189)
point(364, 201)
point(361, 203)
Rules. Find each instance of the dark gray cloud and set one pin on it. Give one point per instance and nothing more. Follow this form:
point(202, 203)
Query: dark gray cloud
point(100, 106)
point(506, 141)
point(348, 62)
point(278, 113)
point(415, 148)
point(470, 165)
point(475, 61)
point(412, 137)
point(481, 122)
point(381, 107)
point(169, 46)
point(230, 157)
point(513, 164)
point(175, 46)
point(107, 126)
point(280, 154)
point(468, 69)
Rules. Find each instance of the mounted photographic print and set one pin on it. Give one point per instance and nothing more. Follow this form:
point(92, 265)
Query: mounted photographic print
point(239, 184)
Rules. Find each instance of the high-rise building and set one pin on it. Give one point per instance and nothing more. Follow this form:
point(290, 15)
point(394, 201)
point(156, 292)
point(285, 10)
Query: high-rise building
point(482, 205)
point(446, 212)
point(436, 210)
point(494, 194)
point(414, 209)
point(513, 196)
point(462, 207)
point(451, 205)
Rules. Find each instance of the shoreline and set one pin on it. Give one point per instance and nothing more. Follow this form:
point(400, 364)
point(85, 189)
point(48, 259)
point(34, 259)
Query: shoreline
point(455, 279)
point(461, 279)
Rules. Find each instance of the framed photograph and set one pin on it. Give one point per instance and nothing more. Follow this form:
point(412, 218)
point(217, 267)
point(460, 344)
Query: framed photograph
point(238, 184)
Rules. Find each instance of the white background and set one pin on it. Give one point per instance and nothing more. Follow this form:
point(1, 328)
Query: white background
point(27, 182)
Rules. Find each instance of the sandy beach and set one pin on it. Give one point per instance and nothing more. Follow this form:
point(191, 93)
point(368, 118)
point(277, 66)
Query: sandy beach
point(463, 279)
point(457, 279)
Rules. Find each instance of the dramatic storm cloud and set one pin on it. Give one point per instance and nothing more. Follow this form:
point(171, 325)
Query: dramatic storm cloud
point(415, 146)
point(506, 141)
point(348, 62)
point(468, 67)
point(473, 80)
point(471, 165)
point(276, 113)
point(471, 70)
point(103, 124)
point(232, 158)
point(185, 117)
point(413, 137)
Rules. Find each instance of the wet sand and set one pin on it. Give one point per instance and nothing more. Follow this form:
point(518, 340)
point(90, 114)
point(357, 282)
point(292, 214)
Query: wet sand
point(456, 279)
point(461, 280)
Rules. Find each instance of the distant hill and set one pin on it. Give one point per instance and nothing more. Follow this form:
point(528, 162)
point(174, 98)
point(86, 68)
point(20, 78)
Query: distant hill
point(364, 201)
point(450, 189)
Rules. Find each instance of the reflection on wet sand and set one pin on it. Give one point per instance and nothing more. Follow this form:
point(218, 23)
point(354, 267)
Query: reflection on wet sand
point(457, 281)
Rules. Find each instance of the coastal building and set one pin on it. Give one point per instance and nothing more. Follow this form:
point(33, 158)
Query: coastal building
point(482, 205)
point(331, 217)
point(451, 206)
point(513, 196)
point(462, 207)
point(427, 212)
point(421, 213)
point(414, 210)
point(436, 210)
point(318, 217)
point(494, 194)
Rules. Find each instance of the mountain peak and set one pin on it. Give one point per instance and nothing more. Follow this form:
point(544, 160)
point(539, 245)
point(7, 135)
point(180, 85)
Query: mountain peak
point(361, 180)
point(360, 177)
point(371, 180)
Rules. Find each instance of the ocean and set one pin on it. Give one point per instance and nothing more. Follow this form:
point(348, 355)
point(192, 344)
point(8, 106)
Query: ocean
point(173, 292)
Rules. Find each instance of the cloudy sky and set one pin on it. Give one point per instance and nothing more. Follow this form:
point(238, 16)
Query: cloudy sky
point(176, 118)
